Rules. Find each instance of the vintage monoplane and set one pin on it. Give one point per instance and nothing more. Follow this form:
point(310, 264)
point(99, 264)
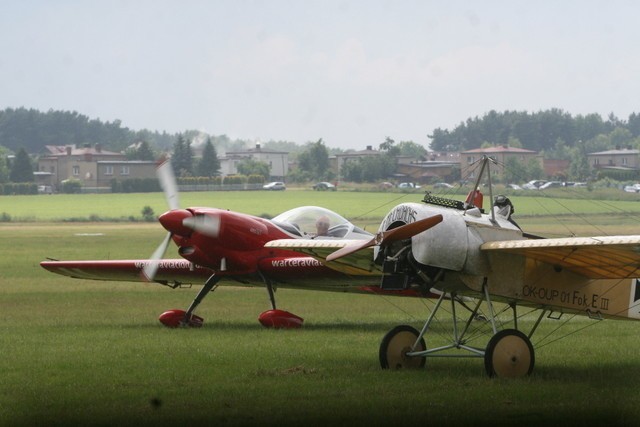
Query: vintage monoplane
point(440, 247)
point(486, 256)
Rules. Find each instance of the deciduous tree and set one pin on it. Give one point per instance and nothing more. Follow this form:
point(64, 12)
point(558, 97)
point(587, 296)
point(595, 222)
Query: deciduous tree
point(254, 167)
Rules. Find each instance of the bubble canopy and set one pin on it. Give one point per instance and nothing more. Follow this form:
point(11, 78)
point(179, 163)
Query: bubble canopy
point(302, 222)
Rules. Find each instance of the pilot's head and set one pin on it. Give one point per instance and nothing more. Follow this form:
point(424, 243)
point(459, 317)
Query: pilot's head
point(503, 201)
point(322, 225)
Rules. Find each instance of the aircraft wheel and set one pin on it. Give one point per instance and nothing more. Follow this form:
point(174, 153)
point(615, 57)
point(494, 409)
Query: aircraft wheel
point(396, 344)
point(509, 354)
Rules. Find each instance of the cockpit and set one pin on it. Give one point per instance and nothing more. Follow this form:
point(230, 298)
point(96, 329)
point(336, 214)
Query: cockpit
point(313, 222)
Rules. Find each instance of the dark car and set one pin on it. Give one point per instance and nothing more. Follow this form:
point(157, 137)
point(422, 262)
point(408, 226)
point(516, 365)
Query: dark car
point(324, 186)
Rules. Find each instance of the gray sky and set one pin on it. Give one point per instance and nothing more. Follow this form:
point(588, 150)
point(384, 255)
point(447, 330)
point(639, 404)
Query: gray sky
point(350, 72)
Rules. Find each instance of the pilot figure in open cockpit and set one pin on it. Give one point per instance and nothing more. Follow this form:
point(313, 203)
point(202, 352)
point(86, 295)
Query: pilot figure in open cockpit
point(322, 226)
point(504, 207)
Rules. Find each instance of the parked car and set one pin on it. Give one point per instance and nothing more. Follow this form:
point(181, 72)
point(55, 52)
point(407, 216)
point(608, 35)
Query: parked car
point(274, 186)
point(550, 184)
point(324, 186)
point(635, 188)
point(408, 185)
point(534, 184)
point(442, 185)
point(45, 189)
point(514, 186)
point(386, 185)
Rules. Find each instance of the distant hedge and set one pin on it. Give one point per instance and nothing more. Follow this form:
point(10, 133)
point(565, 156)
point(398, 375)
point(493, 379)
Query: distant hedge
point(11, 188)
point(218, 180)
point(135, 185)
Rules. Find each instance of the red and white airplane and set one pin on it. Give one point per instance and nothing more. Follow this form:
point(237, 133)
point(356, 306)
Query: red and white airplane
point(441, 245)
point(222, 247)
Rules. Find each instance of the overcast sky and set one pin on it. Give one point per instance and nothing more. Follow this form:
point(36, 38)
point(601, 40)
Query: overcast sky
point(350, 72)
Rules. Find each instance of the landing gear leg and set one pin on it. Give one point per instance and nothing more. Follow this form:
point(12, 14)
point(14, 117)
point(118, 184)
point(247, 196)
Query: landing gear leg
point(508, 354)
point(176, 318)
point(209, 286)
point(271, 291)
point(275, 318)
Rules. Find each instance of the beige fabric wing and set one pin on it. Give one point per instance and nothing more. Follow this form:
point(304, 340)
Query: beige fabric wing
point(601, 257)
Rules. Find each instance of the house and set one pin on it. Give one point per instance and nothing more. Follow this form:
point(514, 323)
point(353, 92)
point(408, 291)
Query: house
point(91, 165)
point(618, 159)
point(339, 160)
point(469, 159)
point(438, 167)
point(278, 161)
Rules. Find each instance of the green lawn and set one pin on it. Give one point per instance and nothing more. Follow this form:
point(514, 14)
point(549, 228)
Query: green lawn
point(93, 353)
point(122, 206)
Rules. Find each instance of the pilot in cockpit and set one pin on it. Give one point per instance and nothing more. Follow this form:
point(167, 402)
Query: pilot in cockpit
point(502, 206)
point(322, 226)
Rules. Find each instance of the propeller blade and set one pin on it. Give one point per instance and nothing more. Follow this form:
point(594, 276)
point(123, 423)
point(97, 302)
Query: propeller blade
point(208, 225)
point(411, 229)
point(350, 249)
point(151, 267)
point(401, 233)
point(169, 184)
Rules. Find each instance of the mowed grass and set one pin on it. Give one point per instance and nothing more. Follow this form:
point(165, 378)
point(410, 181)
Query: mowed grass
point(60, 207)
point(358, 205)
point(82, 352)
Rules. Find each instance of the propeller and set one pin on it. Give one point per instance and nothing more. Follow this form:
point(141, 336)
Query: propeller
point(169, 186)
point(386, 237)
point(151, 267)
point(177, 221)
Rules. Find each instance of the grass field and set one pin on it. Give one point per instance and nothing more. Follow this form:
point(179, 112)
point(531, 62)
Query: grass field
point(93, 353)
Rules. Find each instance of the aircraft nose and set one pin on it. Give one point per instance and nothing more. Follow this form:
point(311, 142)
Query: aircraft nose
point(172, 221)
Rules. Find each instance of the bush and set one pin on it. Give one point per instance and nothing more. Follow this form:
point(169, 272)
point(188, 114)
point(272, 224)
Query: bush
point(255, 179)
point(135, 185)
point(235, 179)
point(147, 214)
point(70, 186)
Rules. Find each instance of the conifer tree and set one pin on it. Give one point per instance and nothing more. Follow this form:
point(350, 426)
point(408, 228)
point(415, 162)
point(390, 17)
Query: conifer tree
point(209, 165)
point(21, 169)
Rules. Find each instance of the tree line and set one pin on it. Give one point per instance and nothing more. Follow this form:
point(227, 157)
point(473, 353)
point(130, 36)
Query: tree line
point(555, 133)
point(541, 131)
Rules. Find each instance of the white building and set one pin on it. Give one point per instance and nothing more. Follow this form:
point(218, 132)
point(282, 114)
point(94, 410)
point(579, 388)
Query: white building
point(278, 161)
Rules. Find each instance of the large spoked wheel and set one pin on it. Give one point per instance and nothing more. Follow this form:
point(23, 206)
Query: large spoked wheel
point(509, 354)
point(396, 344)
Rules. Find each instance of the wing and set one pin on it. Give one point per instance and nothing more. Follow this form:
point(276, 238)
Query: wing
point(356, 264)
point(605, 257)
point(174, 271)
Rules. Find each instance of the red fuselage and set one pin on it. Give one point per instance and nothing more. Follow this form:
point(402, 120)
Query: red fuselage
point(232, 244)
